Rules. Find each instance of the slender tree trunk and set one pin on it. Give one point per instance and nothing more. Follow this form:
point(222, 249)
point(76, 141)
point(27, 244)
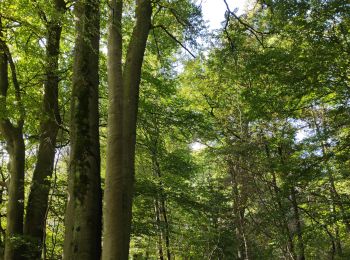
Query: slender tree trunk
point(299, 231)
point(339, 248)
point(166, 226)
point(162, 212)
point(34, 226)
point(16, 149)
point(83, 213)
point(123, 104)
point(238, 211)
point(2, 231)
point(159, 229)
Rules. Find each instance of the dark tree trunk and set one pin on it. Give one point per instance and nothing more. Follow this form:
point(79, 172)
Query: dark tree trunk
point(37, 206)
point(161, 211)
point(166, 226)
point(159, 230)
point(299, 231)
point(83, 214)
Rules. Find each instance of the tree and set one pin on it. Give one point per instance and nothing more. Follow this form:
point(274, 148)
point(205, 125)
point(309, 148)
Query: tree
point(35, 220)
point(13, 134)
point(241, 152)
point(83, 222)
point(123, 85)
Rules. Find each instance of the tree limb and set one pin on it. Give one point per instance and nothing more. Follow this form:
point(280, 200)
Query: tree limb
point(246, 25)
point(174, 38)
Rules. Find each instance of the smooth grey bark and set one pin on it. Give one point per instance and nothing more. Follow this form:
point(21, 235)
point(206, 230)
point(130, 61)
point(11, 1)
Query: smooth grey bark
point(123, 85)
point(15, 207)
point(83, 219)
point(13, 135)
point(35, 219)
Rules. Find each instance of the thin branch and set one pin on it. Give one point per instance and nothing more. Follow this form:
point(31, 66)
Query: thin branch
point(246, 25)
point(178, 18)
point(228, 35)
point(156, 41)
point(184, 23)
point(19, 21)
point(41, 13)
point(15, 82)
point(174, 38)
point(157, 12)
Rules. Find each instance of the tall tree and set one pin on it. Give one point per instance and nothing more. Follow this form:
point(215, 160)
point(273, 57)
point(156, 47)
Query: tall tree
point(83, 215)
point(13, 134)
point(35, 220)
point(123, 85)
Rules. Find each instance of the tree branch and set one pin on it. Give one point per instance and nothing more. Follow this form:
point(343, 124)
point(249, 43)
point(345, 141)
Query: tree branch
point(246, 25)
point(15, 82)
point(174, 38)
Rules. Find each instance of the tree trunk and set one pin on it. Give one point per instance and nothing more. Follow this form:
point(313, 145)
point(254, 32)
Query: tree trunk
point(34, 226)
point(83, 213)
point(166, 226)
point(16, 150)
point(2, 231)
point(15, 204)
point(161, 206)
point(239, 201)
point(299, 232)
point(159, 229)
point(123, 104)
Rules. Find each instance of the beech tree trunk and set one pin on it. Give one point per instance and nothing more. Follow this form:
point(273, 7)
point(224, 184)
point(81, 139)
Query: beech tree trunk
point(15, 147)
point(84, 209)
point(15, 207)
point(123, 84)
point(34, 226)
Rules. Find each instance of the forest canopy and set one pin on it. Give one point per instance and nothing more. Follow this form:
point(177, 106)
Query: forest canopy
point(132, 130)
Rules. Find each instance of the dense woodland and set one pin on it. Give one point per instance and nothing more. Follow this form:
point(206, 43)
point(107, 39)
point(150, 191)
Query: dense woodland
point(130, 130)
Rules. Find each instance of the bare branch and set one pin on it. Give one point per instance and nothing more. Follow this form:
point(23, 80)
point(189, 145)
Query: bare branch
point(250, 28)
point(175, 39)
point(156, 41)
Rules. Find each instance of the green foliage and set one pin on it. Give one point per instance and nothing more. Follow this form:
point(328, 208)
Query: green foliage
point(269, 104)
